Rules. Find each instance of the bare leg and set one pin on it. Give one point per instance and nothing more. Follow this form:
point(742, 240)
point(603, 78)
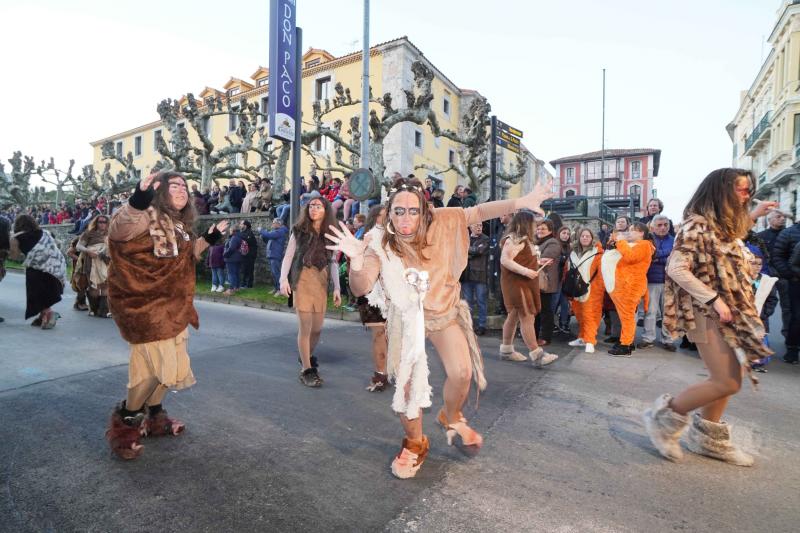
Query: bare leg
point(413, 428)
point(528, 329)
point(138, 395)
point(454, 353)
point(724, 381)
point(510, 326)
point(379, 348)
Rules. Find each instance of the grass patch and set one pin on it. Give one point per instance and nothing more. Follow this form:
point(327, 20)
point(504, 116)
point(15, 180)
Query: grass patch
point(259, 293)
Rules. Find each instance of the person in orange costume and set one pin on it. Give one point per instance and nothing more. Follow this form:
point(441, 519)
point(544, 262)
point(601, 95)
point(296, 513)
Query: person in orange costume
point(624, 269)
point(586, 256)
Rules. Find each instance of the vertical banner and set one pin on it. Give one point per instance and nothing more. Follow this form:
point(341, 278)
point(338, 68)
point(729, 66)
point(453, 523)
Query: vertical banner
point(283, 61)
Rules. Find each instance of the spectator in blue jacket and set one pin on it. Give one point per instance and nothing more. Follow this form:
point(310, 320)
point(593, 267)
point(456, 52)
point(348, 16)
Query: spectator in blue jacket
point(233, 260)
point(275, 239)
point(663, 241)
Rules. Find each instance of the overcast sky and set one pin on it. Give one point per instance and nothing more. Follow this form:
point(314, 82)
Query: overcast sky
point(74, 72)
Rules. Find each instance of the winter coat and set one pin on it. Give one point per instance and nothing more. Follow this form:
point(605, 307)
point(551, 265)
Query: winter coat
point(768, 236)
point(782, 251)
point(470, 201)
point(252, 243)
point(215, 259)
point(454, 201)
point(548, 277)
point(275, 241)
point(477, 264)
point(236, 196)
point(658, 265)
point(232, 253)
point(794, 261)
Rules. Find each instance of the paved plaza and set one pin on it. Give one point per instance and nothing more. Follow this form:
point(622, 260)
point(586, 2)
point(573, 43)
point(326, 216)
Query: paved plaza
point(564, 447)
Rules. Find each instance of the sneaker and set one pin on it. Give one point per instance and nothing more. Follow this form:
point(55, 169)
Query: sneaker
point(577, 342)
point(480, 331)
point(643, 345)
point(668, 346)
point(589, 347)
point(310, 378)
point(791, 359)
point(621, 350)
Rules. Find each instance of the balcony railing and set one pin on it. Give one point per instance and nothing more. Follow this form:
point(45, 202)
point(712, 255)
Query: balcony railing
point(762, 179)
point(757, 131)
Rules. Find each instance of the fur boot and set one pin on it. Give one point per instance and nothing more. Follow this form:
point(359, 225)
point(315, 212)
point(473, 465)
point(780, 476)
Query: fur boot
point(714, 440)
point(158, 424)
point(664, 426)
point(123, 433)
point(411, 456)
point(508, 353)
point(540, 358)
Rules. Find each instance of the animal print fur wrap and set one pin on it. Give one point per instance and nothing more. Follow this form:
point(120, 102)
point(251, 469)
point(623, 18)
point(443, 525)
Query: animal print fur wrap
point(722, 267)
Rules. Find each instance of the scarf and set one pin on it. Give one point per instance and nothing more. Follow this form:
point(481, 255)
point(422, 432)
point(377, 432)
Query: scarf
point(722, 266)
point(45, 256)
point(163, 232)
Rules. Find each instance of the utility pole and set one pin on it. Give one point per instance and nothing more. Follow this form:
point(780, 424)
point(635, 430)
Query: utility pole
point(365, 100)
point(297, 180)
point(603, 145)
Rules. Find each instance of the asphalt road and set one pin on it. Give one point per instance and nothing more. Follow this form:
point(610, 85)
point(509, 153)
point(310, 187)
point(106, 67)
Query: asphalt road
point(564, 447)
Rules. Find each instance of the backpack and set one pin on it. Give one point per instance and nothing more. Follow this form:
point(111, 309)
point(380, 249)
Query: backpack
point(573, 284)
point(244, 248)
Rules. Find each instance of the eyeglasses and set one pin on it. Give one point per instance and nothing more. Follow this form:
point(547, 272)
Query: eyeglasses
point(412, 211)
point(316, 206)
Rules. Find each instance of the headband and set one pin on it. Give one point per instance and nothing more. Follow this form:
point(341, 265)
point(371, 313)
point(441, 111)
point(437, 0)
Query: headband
point(405, 187)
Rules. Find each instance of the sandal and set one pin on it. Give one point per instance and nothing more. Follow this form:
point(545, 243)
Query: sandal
point(50, 321)
point(469, 441)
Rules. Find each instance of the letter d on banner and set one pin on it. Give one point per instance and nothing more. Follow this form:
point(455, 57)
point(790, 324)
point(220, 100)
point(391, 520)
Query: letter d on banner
point(282, 67)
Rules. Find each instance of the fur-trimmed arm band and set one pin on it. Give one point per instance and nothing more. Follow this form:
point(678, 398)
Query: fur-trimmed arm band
point(140, 199)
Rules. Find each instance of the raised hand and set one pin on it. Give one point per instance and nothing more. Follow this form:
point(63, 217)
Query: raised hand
point(221, 226)
point(146, 182)
point(533, 200)
point(344, 241)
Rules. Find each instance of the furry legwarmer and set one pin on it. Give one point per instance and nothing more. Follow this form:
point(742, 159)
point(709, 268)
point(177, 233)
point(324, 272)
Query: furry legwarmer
point(713, 439)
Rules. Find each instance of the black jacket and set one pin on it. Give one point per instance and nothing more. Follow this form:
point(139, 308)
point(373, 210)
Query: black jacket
point(250, 237)
point(477, 265)
point(794, 261)
point(454, 201)
point(768, 236)
point(782, 251)
point(236, 196)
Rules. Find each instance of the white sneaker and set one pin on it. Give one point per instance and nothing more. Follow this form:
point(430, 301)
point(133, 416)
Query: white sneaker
point(220, 288)
point(589, 347)
point(577, 342)
point(213, 288)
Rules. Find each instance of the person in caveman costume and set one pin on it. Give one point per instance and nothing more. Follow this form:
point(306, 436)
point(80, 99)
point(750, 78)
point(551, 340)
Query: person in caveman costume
point(151, 283)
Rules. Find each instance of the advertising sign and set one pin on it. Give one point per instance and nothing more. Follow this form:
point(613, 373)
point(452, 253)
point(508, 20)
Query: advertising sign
point(282, 67)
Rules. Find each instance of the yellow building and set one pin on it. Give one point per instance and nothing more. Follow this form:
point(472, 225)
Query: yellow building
point(409, 148)
point(766, 129)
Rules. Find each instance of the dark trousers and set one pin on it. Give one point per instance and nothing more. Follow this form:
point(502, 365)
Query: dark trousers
point(782, 287)
point(275, 267)
point(793, 330)
point(248, 270)
point(544, 320)
point(233, 274)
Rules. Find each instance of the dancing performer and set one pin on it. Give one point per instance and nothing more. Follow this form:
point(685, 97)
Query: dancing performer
point(305, 273)
point(418, 260)
point(624, 269)
point(78, 281)
point(519, 283)
point(45, 271)
point(151, 283)
point(709, 296)
point(586, 257)
point(93, 264)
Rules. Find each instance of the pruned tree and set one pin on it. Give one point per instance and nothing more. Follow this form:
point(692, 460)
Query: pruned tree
point(49, 174)
point(207, 162)
point(15, 187)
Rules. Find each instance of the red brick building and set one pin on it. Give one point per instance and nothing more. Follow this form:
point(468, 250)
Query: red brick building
point(628, 172)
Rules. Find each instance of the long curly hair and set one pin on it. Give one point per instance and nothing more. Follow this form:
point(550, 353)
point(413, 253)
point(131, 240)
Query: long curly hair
point(304, 224)
point(25, 223)
point(163, 203)
point(420, 240)
point(716, 200)
point(522, 226)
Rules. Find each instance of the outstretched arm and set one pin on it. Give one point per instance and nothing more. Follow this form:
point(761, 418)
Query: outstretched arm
point(489, 210)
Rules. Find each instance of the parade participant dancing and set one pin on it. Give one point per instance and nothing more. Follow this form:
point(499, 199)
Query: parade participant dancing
point(519, 282)
point(307, 266)
point(45, 271)
point(708, 296)
point(151, 285)
point(586, 257)
point(418, 260)
point(93, 264)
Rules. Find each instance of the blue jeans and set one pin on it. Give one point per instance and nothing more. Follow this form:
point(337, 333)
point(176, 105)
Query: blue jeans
point(275, 267)
point(233, 274)
point(472, 290)
point(282, 212)
point(218, 276)
point(561, 307)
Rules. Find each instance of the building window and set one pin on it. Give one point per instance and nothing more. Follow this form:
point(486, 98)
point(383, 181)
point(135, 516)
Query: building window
point(446, 106)
point(137, 145)
point(797, 129)
point(156, 139)
point(260, 82)
point(451, 156)
point(570, 175)
point(313, 62)
point(264, 109)
point(321, 144)
point(569, 192)
point(418, 139)
point(233, 119)
point(138, 173)
point(636, 191)
point(636, 170)
point(233, 91)
point(323, 88)
point(206, 124)
point(119, 149)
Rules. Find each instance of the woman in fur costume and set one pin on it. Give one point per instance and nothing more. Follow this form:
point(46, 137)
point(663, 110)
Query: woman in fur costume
point(45, 271)
point(519, 282)
point(93, 263)
point(418, 260)
point(708, 295)
point(624, 268)
point(307, 270)
point(151, 283)
point(586, 257)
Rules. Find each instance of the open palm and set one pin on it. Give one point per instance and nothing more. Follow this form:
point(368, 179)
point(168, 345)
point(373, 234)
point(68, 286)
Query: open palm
point(344, 241)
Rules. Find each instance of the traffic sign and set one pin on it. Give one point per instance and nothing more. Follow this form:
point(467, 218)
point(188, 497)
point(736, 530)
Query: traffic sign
point(363, 184)
point(508, 138)
point(508, 146)
point(502, 126)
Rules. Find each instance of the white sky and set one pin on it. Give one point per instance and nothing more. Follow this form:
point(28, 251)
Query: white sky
point(73, 72)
